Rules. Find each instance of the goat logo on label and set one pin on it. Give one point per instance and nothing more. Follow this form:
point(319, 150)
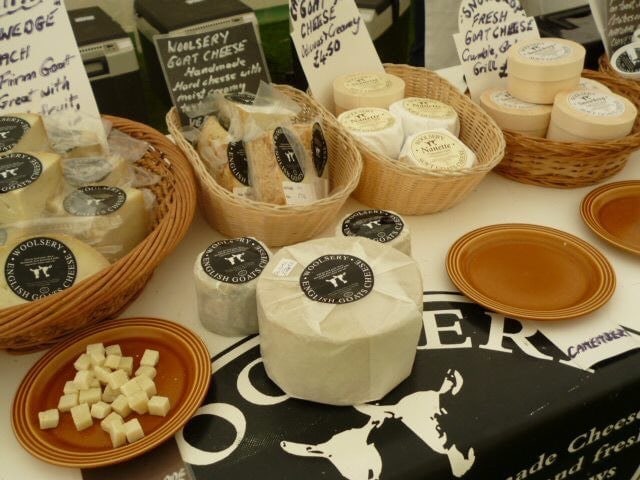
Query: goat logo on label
point(44, 269)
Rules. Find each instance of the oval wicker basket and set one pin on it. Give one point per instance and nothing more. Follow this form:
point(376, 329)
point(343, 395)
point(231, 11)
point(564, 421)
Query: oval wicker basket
point(539, 161)
point(277, 225)
point(390, 185)
point(43, 322)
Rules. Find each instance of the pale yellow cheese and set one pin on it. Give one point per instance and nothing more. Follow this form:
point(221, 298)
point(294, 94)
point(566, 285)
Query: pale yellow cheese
point(516, 115)
point(22, 132)
point(379, 129)
point(437, 150)
point(366, 89)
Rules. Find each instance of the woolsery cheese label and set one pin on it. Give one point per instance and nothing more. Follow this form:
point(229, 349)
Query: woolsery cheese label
point(236, 261)
point(337, 279)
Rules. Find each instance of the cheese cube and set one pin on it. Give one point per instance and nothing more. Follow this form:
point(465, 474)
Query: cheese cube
point(90, 396)
point(83, 379)
point(133, 430)
point(130, 388)
point(97, 358)
point(101, 373)
point(49, 418)
point(109, 394)
point(112, 361)
point(118, 436)
point(126, 364)
point(95, 347)
point(117, 378)
point(70, 387)
point(147, 385)
point(94, 382)
point(83, 362)
point(110, 420)
point(67, 401)
point(121, 406)
point(150, 358)
point(81, 416)
point(138, 402)
point(112, 350)
point(100, 410)
point(146, 371)
point(158, 405)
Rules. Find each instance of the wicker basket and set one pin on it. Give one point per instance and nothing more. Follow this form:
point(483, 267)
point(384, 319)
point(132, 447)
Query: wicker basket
point(549, 163)
point(43, 322)
point(410, 190)
point(277, 225)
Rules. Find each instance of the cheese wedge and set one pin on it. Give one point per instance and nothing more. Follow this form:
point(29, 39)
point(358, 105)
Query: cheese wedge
point(22, 132)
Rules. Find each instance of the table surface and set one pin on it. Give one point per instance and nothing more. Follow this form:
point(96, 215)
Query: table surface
point(170, 293)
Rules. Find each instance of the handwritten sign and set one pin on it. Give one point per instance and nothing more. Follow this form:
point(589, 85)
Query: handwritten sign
point(196, 65)
point(617, 19)
point(40, 66)
point(488, 30)
point(331, 39)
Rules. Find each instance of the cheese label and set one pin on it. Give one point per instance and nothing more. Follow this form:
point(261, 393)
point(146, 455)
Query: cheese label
point(366, 83)
point(367, 120)
point(504, 99)
point(596, 104)
point(237, 160)
point(378, 225)
point(86, 170)
point(286, 156)
point(428, 108)
point(298, 193)
point(438, 151)
point(94, 201)
point(40, 266)
point(545, 51)
point(12, 129)
point(235, 261)
point(319, 149)
point(337, 279)
point(629, 60)
point(18, 170)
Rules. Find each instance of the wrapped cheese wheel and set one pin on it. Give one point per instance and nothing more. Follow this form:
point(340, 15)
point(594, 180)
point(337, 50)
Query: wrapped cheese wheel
point(437, 150)
point(379, 225)
point(225, 276)
point(22, 131)
point(420, 114)
point(339, 319)
point(35, 267)
point(377, 128)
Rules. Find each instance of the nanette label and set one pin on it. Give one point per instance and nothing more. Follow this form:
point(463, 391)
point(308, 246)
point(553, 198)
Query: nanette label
point(93, 201)
point(596, 104)
point(438, 151)
point(236, 261)
point(286, 156)
point(319, 149)
point(545, 51)
point(504, 99)
point(367, 119)
point(237, 160)
point(18, 170)
point(12, 129)
point(86, 170)
point(337, 279)
point(426, 107)
point(377, 225)
point(366, 83)
point(40, 266)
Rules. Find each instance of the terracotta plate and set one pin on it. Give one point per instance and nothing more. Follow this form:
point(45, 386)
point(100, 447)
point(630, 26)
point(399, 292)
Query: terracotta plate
point(530, 271)
point(612, 211)
point(184, 373)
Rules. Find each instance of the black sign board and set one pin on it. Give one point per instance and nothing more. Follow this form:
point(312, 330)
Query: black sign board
point(196, 65)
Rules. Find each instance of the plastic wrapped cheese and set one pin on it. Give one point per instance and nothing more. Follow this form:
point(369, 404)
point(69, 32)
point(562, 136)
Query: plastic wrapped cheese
point(339, 319)
point(377, 128)
point(437, 150)
point(111, 170)
point(379, 225)
point(225, 277)
point(420, 114)
point(22, 132)
point(35, 267)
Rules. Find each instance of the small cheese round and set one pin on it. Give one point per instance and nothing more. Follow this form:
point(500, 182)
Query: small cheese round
point(516, 115)
point(437, 150)
point(626, 61)
point(377, 128)
point(339, 319)
point(587, 115)
point(367, 89)
point(420, 114)
point(379, 225)
point(225, 277)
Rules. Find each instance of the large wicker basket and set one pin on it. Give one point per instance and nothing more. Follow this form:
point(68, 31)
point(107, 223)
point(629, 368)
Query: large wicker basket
point(43, 322)
point(388, 184)
point(277, 225)
point(549, 163)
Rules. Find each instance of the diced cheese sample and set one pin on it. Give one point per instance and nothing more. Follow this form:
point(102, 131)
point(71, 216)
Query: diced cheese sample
point(96, 170)
point(109, 394)
point(225, 276)
point(22, 132)
point(147, 385)
point(133, 430)
point(110, 420)
point(146, 371)
point(420, 114)
point(50, 418)
point(130, 388)
point(83, 379)
point(101, 373)
point(150, 358)
point(94, 383)
point(138, 402)
point(118, 378)
point(90, 395)
point(121, 406)
point(126, 364)
point(118, 436)
point(437, 150)
point(100, 410)
point(379, 129)
point(70, 387)
point(340, 324)
point(67, 401)
point(159, 406)
point(97, 358)
point(516, 115)
point(367, 89)
point(81, 416)
point(112, 361)
point(27, 181)
point(95, 348)
point(113, 350)
point(83, 362)
point(379, 225)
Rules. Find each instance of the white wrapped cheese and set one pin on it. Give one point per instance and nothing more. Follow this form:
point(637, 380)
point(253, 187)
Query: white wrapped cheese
point(437, 149)
point(225, 277)
point(379, 225)
point(98, 170)
point(22, 131)
point(420, 114)
point(377, 128)
point(339, 319)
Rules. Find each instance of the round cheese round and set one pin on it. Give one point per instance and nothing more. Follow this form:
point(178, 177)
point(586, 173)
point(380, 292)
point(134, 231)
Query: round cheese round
point(339, 319)
point(626, 61)
point(377, 128)
point(587, 115)
point(379, 225)
point(437, 150)
point(366, 90)
point(226, 275)
point(516, 115)
point(420, 114)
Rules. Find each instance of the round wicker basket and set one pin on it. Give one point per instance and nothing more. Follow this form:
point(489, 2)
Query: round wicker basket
point(549, 163)
point(390, 185)
point(277, 225)
point(43, 322)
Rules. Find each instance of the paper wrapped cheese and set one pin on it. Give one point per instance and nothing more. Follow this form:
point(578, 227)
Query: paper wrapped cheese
point(27, 181)
point(226, 275)
point(111, 170)
point(339, 319)
point(22, 132)
point(420, 114)
point(377, 128)
point(437, 150)
point(35, 267)
point(379, 225)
